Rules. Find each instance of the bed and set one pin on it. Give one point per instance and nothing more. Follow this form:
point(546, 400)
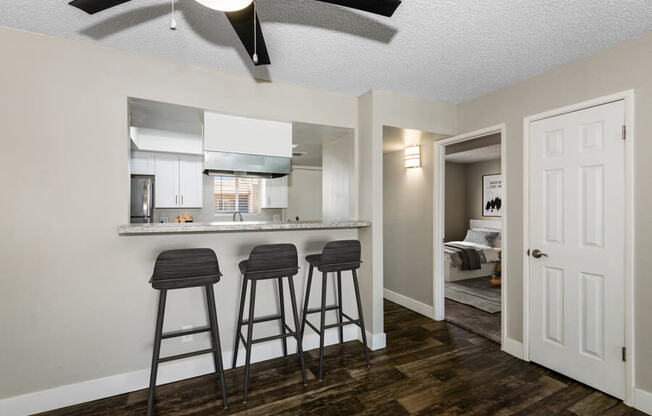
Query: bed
point(485, 254)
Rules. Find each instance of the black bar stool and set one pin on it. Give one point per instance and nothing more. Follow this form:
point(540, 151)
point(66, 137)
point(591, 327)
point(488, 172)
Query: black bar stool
point(181, 269)
point(338, 256)
point(272, 261)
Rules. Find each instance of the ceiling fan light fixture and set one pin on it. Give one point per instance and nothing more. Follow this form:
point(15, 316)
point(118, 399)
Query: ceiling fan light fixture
point(225, 5)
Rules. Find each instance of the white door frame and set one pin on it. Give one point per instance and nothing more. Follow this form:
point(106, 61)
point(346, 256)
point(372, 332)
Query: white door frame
point(439, 217)
point(628, 98)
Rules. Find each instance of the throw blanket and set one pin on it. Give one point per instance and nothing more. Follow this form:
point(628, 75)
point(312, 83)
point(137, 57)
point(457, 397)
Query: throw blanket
point(469, 256)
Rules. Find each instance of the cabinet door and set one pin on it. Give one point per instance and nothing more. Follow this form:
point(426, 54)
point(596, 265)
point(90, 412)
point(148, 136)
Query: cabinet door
point(191, 181)
point(275, 193)
point(166, 187)
point(142, 163)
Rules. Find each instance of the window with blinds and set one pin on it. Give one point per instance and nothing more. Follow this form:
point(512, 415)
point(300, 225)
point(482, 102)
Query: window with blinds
point(235, 193)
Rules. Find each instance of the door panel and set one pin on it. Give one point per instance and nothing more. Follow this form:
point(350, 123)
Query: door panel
point(577, 218)
point(191, 181)
point(166, 193)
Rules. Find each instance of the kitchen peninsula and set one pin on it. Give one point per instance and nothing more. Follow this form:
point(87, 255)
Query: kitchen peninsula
point(217, 227)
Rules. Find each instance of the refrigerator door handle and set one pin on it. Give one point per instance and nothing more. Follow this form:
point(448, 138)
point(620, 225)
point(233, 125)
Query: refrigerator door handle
point(146, 198)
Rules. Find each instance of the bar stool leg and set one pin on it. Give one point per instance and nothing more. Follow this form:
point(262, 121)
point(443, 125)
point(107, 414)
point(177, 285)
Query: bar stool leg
point(322, 326)
point(215, 340)
point(157, 349)
point(250, 330)
point(282, 307)
point(243, 294)
point(364, 333)
point(339, 306)
point(295, 314)
point(305, 303)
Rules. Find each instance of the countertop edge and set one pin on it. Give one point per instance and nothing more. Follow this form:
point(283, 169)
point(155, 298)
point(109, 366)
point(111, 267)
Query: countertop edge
point(141, 229)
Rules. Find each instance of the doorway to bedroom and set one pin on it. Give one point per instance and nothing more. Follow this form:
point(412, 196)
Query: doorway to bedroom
point(469, 213)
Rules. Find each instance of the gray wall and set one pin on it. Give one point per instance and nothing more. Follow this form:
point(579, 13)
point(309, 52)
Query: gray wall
point(338, 179)
point(455, 218)
point(474, 173)
point(407, 225)
point(464, 196)
point(623, 67)
point(304, 194)
point(75, 304)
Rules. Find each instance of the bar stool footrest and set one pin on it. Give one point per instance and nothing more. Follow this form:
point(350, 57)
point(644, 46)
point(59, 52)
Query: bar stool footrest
point(186, 355)
point(337, 325)
point(318, 310)
point(273, 337)
point(175, 334)
point(262, 319)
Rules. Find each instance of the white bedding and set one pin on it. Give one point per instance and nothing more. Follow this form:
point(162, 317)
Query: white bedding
point(490, 253)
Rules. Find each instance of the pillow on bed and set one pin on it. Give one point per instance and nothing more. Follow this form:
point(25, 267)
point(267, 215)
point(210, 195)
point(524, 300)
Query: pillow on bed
point(485, 238)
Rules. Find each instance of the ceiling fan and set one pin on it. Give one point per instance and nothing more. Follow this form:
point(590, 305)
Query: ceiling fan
point(244, 19)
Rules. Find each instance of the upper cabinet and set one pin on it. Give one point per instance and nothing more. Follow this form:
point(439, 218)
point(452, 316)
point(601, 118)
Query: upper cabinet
point(158, 140)
point(274, 193)
point(244, 135)
point(178, 181)
point(142, 163)
point(166, 185)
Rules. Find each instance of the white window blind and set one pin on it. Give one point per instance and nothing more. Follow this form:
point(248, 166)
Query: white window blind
point(235, 193)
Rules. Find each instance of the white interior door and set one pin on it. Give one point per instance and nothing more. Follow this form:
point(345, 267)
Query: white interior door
point(577, 224)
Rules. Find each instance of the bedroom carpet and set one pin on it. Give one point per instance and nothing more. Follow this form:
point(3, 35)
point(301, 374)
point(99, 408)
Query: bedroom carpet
point(475, 292)
point(487, 325)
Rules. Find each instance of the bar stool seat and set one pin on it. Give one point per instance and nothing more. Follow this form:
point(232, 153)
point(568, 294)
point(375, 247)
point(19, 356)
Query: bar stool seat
point(271, 261)
point(337, 256)
point(181, 269)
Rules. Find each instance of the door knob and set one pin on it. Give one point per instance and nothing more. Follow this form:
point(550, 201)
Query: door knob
point(536, 253)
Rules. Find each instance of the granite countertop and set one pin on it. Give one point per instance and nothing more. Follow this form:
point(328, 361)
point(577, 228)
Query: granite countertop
point(217, 227)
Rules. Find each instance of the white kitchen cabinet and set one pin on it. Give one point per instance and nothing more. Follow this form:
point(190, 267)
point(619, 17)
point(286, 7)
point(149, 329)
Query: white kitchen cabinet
point(166, 185)
point(274, 193)
point(142, 163)
point(190, 181)
point(231, 134)
point(178, 181)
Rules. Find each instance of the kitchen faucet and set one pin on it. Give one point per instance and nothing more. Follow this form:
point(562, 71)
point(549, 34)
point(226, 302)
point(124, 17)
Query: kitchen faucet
point(237, 213)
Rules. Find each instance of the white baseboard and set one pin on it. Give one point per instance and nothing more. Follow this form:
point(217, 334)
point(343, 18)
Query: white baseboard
point(85, 391)
point(643, 401)
point(376, 341)
point(411, 304)
point(513, 347)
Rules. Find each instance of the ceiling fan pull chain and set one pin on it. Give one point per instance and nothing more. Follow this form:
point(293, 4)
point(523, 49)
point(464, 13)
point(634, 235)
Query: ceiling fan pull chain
point(173, 22)
point(255, 56)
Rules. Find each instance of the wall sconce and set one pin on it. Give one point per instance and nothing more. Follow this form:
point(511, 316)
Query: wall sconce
point(413, 157)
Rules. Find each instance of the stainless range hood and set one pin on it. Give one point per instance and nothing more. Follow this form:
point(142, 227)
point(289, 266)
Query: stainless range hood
point(224, 163)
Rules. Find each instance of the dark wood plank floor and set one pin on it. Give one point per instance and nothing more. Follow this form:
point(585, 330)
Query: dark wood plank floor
point(428, 368)
point(475, 320)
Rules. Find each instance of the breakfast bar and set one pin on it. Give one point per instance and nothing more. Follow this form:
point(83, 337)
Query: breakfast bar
point(222, 227)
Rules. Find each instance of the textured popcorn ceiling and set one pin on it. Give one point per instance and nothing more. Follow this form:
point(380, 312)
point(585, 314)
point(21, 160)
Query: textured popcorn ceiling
point(449, 50)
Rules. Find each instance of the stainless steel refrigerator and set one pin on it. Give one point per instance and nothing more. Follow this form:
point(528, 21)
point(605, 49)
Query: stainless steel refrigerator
point(142, 198)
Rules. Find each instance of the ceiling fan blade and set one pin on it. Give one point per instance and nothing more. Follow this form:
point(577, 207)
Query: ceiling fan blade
point(382, 7)
point(243, 24)
point(94, 6)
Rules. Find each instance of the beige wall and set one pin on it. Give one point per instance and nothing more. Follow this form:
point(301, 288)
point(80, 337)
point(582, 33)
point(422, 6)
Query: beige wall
point(378, 109)
point(407, 225)
point(304, 194)
point(455, 218)
point(464, 196)
point(623, 67)
point(474, 173)
point(75, 304)
point(338, 184)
